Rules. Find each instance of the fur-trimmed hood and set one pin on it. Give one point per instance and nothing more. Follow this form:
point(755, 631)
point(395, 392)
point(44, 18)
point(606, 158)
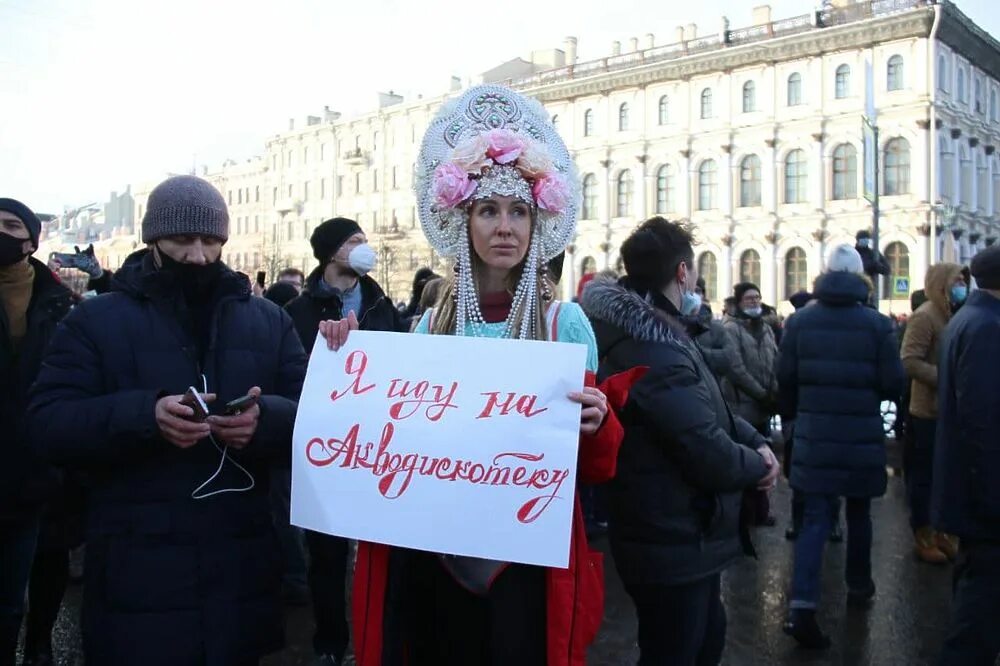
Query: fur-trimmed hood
point(614, 303)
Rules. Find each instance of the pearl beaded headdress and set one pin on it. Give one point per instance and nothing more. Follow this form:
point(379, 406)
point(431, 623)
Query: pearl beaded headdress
point(493, 141)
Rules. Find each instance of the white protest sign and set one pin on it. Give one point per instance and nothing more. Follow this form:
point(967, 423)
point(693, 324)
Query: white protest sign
point(456, 445)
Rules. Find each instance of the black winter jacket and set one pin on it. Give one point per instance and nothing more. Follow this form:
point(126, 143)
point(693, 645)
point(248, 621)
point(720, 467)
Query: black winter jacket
point(685, 458)
point(838, 362)
point(25, 481)
point(966, 493)
point(311, 307)
point(170, 579)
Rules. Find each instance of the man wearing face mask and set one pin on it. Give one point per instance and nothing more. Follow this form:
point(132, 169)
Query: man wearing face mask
point(31, 304)
point(338, 287)
point(181, 561)
point(946, 290)
point(874, 263)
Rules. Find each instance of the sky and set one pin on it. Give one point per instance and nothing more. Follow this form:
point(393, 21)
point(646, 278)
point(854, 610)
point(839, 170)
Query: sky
point(97, 94)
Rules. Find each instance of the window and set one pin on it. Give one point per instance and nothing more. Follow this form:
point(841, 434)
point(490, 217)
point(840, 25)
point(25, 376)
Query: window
point(624, 191)
point(796, 174)
point(795, 89)
point(796, 271)
point(943, 78)
point(340, 186)
point(897, 167)
point(229, 197)
point(898, 257)
point(750, 267)
point(843, 84)
point(357, 183)
point(894, 73)
point(946, 170)
point(750, 181)
point(994, 114)
point(290, 234)
point(708, 185)
point(256, 193)
point(305, 191)
point(289, 163)
point(305, 155)
point(374, 180)
point(239, 196)
point(375, 142)
point(749, 97)
point(962, 94)
point(623, 118)
point(590, 197)
point(982, 182)
point(665, 189)
point(966, 179)
point(978, 96)
point(256, 226)
point(845, 172)
point(664, 110)
point(706, 103)
point(322, 188)
point(395, 178)
point(291, 191)
point(708, 269)
point(274, 197)
point(588, 122)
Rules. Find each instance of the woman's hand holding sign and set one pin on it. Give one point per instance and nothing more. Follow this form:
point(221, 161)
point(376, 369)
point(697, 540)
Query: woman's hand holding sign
point(595, 409)
point(335, 331)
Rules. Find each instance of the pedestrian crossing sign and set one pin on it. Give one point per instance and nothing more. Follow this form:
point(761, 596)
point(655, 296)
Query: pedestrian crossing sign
point(900, 286)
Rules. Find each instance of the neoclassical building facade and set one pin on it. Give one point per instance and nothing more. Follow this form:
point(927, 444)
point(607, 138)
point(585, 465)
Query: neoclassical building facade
point(754, 135)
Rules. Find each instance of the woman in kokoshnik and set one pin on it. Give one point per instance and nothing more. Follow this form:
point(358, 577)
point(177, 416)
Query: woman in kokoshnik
point(497, 193)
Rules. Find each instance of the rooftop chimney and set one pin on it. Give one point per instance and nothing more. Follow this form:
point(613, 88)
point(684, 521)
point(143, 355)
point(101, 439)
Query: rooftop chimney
point(691, 32)
point(571, 50)
point(291, 123)
point(650, 41)
point(679, 34)
point(762, 15)
point(633, 44)
point(616, 48)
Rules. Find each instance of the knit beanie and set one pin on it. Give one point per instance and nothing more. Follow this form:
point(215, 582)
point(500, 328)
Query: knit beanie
point(844, 259)
point(26, 215)
point(185, 206)
point(986, 268)
point(742, 288)
point(330, 235)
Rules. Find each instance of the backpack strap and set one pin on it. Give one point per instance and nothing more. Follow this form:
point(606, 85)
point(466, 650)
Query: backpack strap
point(552, 320)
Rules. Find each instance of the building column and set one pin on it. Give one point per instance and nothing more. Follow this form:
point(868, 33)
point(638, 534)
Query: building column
point(642, 194)
point(769, 178)
point(817, 173)
point(685, 186)
point(606, 218)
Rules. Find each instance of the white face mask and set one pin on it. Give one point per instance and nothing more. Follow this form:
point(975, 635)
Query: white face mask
point(864, 242)
point(753, 312)
point(362, 259)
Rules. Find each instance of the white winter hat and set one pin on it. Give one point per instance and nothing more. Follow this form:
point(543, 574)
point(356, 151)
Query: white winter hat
point(844, 259)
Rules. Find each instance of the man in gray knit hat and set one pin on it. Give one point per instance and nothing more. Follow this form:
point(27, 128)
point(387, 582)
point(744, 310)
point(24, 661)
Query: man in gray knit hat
point(179, 530)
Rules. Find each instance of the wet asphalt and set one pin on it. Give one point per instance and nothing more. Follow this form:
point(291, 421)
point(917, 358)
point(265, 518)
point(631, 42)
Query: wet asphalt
point(905, 626)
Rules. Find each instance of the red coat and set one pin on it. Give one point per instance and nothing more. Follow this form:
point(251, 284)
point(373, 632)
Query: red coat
point(574, 596)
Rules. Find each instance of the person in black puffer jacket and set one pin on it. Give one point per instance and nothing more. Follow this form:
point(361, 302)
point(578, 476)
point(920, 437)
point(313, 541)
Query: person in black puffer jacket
point(838, 362)
point(686, 458)
point(31, 304)
point(182, 563)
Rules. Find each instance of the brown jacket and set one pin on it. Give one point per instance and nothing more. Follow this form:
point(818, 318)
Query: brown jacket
point(920, 342)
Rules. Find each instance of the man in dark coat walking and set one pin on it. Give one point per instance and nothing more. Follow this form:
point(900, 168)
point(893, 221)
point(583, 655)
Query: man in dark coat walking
point(965, 497)
point(182, 565)
point(31, 304)
point(838, 362)
point(686, 458)
point(339, 286)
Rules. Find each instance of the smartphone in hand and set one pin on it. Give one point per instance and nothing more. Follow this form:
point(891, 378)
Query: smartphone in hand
point(240, 405)
point(193, 400)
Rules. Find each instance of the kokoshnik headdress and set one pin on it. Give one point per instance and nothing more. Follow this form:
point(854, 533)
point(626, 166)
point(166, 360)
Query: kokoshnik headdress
point(494, 141)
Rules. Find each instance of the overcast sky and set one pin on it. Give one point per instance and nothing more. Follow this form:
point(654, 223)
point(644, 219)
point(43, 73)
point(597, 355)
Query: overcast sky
point(97, 94)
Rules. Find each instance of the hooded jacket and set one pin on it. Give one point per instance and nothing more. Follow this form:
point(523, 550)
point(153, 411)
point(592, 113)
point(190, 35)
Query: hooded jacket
point(750, 387)
point(171, 579)
point(838, 362)
point(922, 337)
point(685, 458)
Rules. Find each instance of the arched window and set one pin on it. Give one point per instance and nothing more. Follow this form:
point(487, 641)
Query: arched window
point(623, 118)
point(750, 267)
point(843, 85)
point(982, 182)
point(589, 197)
point(624, 191)
point(845, 172)
point(708, 185)
point(588, 122)
point(898, 257)
point(795, 89)
point(978, 95)
point(664, 110)
point(750, 181)
point(943, 78)
point(946, 170)
point(796, 177)
point(749, 97)
point(796, 271)
point(897, 167)
point(894, 73)
point(665, 189)
point(706, 103)
point(994, 114)
point(708, 270)
point(962, 93)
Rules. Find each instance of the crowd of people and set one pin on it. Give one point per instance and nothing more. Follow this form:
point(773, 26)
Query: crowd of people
point(182, 497)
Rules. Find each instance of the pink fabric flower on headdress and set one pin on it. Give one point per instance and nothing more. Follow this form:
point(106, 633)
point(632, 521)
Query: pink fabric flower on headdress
point(534, 161)
point(551, 193)
point(452, 185)
point(503, 146)
point(471, 155)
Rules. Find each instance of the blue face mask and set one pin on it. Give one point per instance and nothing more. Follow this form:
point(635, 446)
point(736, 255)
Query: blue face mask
point(690, 303)
point(959, 293)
